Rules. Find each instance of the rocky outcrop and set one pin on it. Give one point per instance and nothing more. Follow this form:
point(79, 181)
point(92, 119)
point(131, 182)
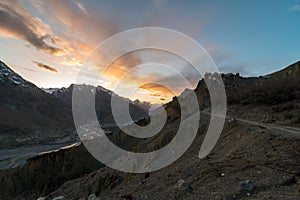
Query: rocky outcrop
point(290, 71)
point(45, 173)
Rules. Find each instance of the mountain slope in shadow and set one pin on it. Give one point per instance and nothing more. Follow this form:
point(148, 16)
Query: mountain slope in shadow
point(28, 114)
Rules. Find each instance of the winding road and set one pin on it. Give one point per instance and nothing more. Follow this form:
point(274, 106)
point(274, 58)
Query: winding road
point(285, 131)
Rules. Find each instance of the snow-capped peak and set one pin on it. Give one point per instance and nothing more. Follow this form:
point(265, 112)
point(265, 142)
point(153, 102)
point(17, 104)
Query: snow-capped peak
point(9, 77)
point(50, 90)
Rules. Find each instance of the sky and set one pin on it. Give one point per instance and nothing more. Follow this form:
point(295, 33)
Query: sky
point(47, 42)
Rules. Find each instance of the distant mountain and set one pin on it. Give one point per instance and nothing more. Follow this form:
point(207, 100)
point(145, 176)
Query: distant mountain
point(29, 115)
point(143, 104)
point(103, 103)
point(65, 94)
point(185, 93)
point(290, 71)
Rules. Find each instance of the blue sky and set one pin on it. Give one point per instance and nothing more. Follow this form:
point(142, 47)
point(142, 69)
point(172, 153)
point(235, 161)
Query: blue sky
point(251, 37)
point(255, 37)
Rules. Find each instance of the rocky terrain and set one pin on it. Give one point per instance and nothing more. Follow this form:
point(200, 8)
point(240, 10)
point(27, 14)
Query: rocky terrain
point(257, 156)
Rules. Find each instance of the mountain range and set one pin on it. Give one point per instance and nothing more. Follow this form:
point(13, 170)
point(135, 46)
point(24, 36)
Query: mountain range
point(256, 157)
point(30, 115)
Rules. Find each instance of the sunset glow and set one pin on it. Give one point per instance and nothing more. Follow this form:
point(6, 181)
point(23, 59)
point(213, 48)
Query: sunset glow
point(47, 42)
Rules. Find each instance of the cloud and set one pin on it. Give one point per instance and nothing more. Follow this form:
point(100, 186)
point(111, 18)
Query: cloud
point(155, 94)
point(160, 90)
point(46, 67)
point(81, 7)
point(16, 22)
point(121, 66)
point(76, 18)
point(78, 30)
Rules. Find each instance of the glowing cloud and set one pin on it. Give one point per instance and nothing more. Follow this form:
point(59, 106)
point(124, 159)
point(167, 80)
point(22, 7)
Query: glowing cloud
point(46, 67)
point(160, 90)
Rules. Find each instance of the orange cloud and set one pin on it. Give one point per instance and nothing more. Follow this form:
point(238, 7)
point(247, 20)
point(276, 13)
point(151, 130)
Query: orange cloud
point(160, 90)
point(120, 67)
point(155, 95)
point(82, 30)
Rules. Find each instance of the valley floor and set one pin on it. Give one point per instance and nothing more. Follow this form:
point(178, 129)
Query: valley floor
point(14, 157)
